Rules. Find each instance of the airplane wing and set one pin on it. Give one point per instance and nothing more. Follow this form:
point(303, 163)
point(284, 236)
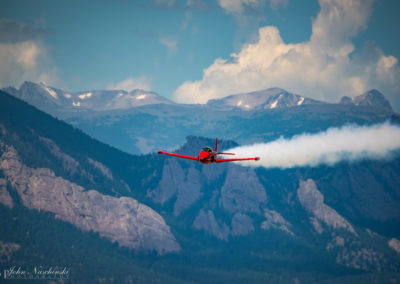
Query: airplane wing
point(179, 156)
point(239, 159)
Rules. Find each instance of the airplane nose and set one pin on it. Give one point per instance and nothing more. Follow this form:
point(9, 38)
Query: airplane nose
point(203, 155)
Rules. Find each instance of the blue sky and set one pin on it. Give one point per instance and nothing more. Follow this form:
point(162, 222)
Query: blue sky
point(192, 51)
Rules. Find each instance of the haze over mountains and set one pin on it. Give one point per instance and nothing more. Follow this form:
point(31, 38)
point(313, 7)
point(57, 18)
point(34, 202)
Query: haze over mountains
point(222, 222)
point(266, 99)
point(141, 122)
point(53, 100)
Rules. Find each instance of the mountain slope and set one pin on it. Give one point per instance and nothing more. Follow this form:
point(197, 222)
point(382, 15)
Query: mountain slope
point(50, 177)
point(300, 207)
point(372, 98)
point(265, 99)
point(55, 101)
point(226, 222)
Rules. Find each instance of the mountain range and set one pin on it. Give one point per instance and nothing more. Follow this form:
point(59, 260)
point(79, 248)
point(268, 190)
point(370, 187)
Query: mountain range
point(111, 216)
point(56, 101)
point(142, 122)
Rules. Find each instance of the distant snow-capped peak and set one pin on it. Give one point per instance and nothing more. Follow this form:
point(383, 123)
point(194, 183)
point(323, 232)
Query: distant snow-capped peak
point(136, 98)
point(265, 99)
point(44, 96)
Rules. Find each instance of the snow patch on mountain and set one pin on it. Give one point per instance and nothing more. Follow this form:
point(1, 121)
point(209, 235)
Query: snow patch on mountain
point(85, 96)
point(51, 92)
point(266, 99)
point(141, 97)
point(50, 99)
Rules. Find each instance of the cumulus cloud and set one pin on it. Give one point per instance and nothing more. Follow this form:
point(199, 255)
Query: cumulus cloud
point(325, 67)
point(23, 55)
point(131, 83)
point(349, 143)
point(248, 15)
point(239, 6)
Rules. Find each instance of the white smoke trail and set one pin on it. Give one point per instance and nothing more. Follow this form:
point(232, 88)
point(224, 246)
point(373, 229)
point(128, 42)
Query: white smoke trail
point(348, 143)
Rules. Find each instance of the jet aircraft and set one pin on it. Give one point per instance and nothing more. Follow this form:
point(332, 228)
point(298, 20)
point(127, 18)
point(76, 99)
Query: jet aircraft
point(208, 156)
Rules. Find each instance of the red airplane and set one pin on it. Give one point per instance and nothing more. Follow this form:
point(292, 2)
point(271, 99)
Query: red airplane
point(208, 156)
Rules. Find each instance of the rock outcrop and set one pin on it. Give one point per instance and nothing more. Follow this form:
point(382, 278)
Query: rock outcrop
point(242, 191)
point(242, 225)
point(274, 220)
point(102, 168)
point(188, 191)
point(206, 221)
point(373, 99)
point(362, 258)
point(5, 197)
point(122, 220)
point(184, 184)
point(7, 249)
point(69, 164)
point(394, 244)
point(312, 201)
point(173, 176)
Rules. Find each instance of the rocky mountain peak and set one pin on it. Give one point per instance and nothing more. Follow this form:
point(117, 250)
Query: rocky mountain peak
point(372, 98)
point(346, 100)
point(265, 99)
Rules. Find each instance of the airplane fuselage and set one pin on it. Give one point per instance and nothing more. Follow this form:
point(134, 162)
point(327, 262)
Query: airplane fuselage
point(206, 157)
point(209, 156)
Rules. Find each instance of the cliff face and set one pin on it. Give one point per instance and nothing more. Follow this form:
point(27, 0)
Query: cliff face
point(122, 220)
point(228, 202)
point(313, 201)
point(242, 191)
point(5, 197)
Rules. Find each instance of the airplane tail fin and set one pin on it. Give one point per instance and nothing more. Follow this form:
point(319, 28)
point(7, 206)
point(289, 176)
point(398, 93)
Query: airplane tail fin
point(216, 149)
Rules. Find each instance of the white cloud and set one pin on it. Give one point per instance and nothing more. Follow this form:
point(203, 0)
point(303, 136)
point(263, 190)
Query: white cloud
point(238, 6)
point(325, 67)
point(25, 61)
point(170, 43)
point(131, 83)
point(338, 21)
point(248, 15)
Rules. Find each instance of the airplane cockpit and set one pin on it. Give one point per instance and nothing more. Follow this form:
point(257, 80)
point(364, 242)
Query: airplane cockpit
point(206, 149)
